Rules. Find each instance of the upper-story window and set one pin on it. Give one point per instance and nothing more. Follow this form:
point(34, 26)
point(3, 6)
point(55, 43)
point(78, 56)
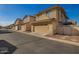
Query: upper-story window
point(48, 14)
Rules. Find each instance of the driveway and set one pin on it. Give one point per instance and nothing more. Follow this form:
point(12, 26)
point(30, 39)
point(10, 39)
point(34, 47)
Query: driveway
point(28, 44)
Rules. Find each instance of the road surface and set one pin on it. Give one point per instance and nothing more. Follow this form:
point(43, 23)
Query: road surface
point(27, 44)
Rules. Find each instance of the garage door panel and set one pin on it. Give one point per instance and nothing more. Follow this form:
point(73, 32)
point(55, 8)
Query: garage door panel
point(23, 27)
point(42, 29)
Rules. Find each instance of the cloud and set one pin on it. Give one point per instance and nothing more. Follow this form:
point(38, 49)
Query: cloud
point(5, 21)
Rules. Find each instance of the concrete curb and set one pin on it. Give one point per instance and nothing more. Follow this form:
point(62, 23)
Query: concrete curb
point(58, 40)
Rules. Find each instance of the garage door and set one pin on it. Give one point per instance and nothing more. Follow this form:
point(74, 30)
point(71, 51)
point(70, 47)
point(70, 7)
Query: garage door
point(23, 27)
point(42, 29)
point(16, 27)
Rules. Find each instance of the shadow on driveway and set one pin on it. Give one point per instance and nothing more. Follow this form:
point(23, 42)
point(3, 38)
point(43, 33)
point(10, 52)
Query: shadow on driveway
point(6, 47)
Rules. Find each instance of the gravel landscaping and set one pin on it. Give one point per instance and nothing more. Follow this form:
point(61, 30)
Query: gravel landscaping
point(66, 37)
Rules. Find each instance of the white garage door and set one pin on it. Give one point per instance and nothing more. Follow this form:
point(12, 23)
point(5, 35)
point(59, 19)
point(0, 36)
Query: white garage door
point(16, 27)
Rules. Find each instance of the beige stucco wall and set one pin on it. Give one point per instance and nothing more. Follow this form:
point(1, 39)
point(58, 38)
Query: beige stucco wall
point(17, 22)
point(53, 14)
point(61, 16)
point(50, 29)
point(29, 19)
point(42, 17)
point(32, 28)
point(32, 19)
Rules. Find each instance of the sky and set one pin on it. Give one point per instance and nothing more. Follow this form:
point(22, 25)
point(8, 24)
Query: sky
point(10, 12)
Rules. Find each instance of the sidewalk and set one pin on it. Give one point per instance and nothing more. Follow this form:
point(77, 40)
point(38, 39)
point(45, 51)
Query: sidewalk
point(50, 38)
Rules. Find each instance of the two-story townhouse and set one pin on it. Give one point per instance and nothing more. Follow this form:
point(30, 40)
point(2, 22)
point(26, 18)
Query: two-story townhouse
point(26, 26)
point(48, 20)
point(18, 23)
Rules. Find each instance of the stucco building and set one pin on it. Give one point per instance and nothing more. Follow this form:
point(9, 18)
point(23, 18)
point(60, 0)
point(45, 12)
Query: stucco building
point(17, 24)
point(26, 26)
point(48, 20)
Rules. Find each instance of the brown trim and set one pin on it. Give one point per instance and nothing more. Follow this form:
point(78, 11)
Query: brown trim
point(52, 8)
point(41, 23)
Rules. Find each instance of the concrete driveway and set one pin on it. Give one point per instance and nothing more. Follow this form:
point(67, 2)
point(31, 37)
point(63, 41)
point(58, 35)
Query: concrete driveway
point(27, 44)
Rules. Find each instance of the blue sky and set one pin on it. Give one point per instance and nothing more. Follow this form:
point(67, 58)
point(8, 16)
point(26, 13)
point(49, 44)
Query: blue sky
point(9, 12)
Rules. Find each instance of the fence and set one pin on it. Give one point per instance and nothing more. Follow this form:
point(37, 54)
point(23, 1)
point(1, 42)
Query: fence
point(68, 30)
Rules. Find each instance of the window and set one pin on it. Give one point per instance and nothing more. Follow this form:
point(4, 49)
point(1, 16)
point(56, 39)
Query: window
point(49, 14)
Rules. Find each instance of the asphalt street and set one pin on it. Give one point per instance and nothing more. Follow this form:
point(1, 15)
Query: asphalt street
point(28, 44)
